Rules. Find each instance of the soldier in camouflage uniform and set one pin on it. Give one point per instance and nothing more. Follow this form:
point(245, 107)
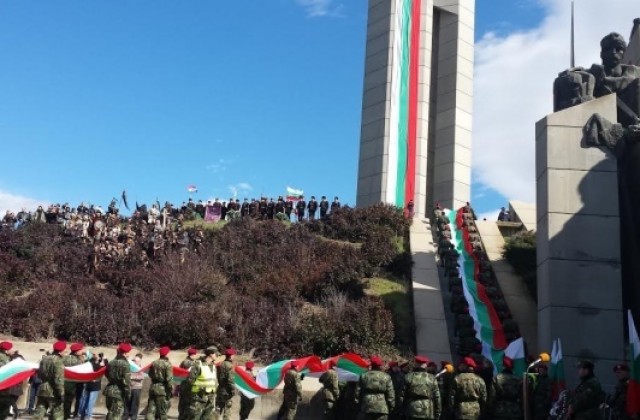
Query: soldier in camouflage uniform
point(618, 400)
point(73, 359)
point(185, 392)
point(397, 377)
point(226, 388)
point(161, 375)
point(246, 403)
point(118, 389)
point(330, 390)
point(541, 393)
point(5, 397)
point(421, 393)
point(203, 383)
point(51, 392)
point(377, 397)
point(468, 392)
point(505, 397)
point(585, 402)
point(292, 393)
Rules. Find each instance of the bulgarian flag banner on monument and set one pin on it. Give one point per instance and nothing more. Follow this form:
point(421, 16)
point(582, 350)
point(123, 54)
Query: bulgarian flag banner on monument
point(633, 389)
point(556, 371)
point(485, 318)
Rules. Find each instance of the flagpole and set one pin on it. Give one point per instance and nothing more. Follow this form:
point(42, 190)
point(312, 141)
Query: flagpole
point(573, 39)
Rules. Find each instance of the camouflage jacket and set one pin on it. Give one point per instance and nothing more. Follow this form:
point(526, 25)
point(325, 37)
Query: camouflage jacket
point(161, 375)
point(468, 396)
point(618, 400)
point(292, 386)
point(376, 393)
point(119, 379)
point(187, 363)
point(71, 360)
point(586, 399)
point(4, 358)
point(421, 396)
point(506, 396)
point(329, 381)
point(51, 373)
point(226, 387)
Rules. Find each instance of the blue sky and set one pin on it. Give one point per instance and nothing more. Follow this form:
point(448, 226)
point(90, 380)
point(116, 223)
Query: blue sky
point(153, 95)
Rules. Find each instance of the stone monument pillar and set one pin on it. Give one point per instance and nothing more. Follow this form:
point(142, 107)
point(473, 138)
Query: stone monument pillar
point(578, 237)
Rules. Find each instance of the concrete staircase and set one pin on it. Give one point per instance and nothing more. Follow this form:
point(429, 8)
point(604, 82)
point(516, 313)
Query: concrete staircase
point(432, 333)
point(521, 303)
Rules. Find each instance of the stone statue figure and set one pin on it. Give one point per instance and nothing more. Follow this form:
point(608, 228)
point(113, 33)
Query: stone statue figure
point(621, 138)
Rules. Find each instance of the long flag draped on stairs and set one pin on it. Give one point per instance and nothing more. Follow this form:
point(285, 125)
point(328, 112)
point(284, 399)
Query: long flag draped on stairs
point(485, 318)
point(633, 389)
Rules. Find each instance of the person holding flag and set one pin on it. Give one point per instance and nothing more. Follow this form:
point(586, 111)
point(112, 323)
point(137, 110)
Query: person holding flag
point(51, 392)
point(161, 375)
point(246, 403)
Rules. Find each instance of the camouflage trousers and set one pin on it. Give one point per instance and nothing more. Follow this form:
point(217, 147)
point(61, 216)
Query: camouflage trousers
point(183, 404)
point(288, 410)
point(157, 407)
point(224, 404)
point(56, 405)
point(115, 407)
point(246, 405)
point(202, 407)
point(5, 406)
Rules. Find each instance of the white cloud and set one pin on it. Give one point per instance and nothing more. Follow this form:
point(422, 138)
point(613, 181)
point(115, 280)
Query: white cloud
point(16, 202)
point(514, 75)
point(321, 8)
point(240, 188)
point(216, 167)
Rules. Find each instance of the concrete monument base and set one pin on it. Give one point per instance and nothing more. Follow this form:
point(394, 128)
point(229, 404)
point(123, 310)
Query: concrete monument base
point(578, 242)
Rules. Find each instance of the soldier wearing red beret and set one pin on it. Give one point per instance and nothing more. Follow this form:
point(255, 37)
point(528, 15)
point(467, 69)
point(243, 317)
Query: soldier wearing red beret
point(118, 389)
point(72, 390)
point(185, 393)
point(51, 392)
point(226, 387)
point(468, 391)
point(161, 375)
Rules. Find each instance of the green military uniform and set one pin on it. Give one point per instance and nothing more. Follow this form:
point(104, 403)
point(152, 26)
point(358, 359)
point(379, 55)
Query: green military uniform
point(70, 387)
point(618, 400)
point(161, 375)
point(185, 391)
point(51, 392)
point(541, 397)
point(5, 396)
point(292, 394)
point(331, 392)
point(203, 383)
point(468, 396)
point(226, 389)
point(377, 397)
point(586, 399)
point(506, 397)
point(118, 389)
point(421, 396)
point(246, 403)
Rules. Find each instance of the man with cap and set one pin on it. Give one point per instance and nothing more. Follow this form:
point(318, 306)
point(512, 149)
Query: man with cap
point(51, 392)
point(618, 401)
point(541, 393)
point(5, 396)
point(292, 393)
point(468, 392)
point(584, 403)
point(185, 393)
point(204, 383)
point(421, 393)
point(226, 386)
point(324, 207)
point(74, 358)
point(312, 207)
point(300, 206)
point(335, 205)
point(330, 390)
point(118, 389)
point(377, 397)
point(397, 377)
point(505, 395)
point(246, 403)
point(161, 389)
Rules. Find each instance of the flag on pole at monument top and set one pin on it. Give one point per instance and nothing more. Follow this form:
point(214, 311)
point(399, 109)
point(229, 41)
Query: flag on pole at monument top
point(294, 194)
point(633, 389)
point(632, 54)
point(192, 188)
point(556, 371)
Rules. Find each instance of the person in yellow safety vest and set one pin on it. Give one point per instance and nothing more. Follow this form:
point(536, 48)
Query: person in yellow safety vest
point(204, 384)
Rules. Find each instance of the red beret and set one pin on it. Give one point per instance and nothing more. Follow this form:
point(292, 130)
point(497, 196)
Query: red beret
point(393, 364)
point(6, 346)
point(192, 351)
point(76, 347)
point(59, 346)
point(507, 362)
point(230, 351)
point(469, 362)
point(124, 348)
point(294, 363)
point(376, 361)
point(421, 360)
point(164, 351)
point(249, 364)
